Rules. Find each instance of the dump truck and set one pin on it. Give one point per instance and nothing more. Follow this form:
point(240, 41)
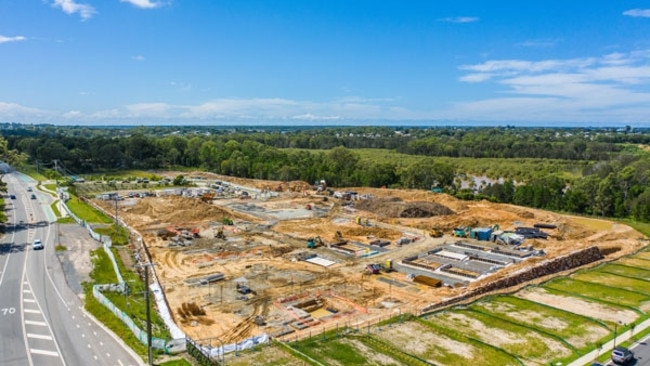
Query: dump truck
point(436, 233)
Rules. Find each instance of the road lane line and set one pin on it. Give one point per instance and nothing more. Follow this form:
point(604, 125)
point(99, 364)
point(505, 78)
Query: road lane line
point(27, 291)
point(31, 311)
point(44, 352)
point(33, 322)
point(29, 300)
point(120, 362)
point(39, 336)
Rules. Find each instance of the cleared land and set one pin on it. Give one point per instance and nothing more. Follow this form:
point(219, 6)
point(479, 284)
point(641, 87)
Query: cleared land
point(263, 248)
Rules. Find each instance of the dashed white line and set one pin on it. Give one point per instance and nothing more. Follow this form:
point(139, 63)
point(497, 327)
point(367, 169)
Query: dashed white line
point(39, 336)
point(101, 343)
point(33, 311)
point(94, 333)
point(83, 335)
point(89, 324)
point(27, 291)
point(29, 300)
point(88, 345)
point(78, 326)
point(33, 322)
point(108, 354)
point(44, 352)
point(95, 357)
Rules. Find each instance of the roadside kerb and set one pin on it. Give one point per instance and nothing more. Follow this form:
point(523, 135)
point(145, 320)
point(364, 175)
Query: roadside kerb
point(609, 345)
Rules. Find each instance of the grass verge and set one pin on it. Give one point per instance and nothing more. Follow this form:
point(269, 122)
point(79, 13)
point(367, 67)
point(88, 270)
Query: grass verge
point(103, 273)
point(119, 235)
point(86, 212)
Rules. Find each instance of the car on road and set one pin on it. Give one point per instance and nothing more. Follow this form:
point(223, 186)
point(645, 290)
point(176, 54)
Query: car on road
point(33, 196)
point(622, 355)
point(37, 244)
point(29, 189)
point(13, 196)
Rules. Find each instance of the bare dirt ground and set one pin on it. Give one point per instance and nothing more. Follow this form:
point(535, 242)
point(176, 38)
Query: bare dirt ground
point(260, 252)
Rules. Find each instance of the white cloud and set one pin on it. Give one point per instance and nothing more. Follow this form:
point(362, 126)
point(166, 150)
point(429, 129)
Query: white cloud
point(459, 19)
point(613, 86)
point(16, 112)
point(138, 58)
point(143, 4)
point(5, 39)
point(311, 117)
point(538, 43)
point(71, 7)
point(644, 13)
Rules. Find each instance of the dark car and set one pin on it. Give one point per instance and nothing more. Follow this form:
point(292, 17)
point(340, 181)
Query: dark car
point(622, 355)
point(13, 196)
point(33, 196)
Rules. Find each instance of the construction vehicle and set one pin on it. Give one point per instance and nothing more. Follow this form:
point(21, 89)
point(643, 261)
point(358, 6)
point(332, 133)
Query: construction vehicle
point(387, 266)
point(207, 197)
point(373, 268)
point(436, 233)
point(314, 242)
point(461, 232)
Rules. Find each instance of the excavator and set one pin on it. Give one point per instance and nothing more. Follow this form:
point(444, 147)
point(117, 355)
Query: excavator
point(314, 242)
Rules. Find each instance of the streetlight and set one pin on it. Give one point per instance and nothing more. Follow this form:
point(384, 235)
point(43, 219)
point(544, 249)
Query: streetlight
point(615, 330)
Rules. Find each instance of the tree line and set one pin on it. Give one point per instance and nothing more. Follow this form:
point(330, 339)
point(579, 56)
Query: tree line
point(614, 184)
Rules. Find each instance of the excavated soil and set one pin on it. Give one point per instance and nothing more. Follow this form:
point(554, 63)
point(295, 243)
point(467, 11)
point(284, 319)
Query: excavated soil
point(263, 252)
point(391, 207)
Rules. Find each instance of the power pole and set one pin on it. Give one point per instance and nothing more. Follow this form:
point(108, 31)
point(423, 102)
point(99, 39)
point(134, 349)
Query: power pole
point(148, 312)
point(146, 300)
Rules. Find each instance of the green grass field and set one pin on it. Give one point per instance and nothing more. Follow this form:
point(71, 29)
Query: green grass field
point(86, 212)
point(437, 347)
point(524, 342)
point(615, 281)
point(598, 292)
point(579, 331)
point(345, 350)
point(628, 271)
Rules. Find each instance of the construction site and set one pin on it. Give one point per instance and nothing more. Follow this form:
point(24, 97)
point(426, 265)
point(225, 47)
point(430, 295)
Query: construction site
point(239, 258)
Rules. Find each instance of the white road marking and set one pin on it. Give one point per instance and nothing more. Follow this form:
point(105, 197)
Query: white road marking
point(83, 335)
point(95, 357)
point(39, 336)
point(73, 317)
point(44, 352)
point(33, 322)
point(27, 291)
point(29, 300)
point(101, 343)
point(89, 345)
point(94, 333)
point(32, 311)
point(120, 362)
point(108, 354)
point(78, 326)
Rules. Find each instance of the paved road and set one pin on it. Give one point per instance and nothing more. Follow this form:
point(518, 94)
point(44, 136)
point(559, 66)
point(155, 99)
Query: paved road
point(42, 321)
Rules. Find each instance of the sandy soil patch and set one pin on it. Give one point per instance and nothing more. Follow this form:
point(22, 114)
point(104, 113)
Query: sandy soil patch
point(578, 306)
point(402, 337)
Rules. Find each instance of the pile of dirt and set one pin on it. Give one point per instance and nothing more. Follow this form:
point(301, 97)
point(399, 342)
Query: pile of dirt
point(176, 209)
point(396, 207)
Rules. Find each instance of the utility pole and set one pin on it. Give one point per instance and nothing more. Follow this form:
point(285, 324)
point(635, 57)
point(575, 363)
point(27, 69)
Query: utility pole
point(146, 300)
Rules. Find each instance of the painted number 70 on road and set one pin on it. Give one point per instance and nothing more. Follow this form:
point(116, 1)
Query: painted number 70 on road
point(8, 311)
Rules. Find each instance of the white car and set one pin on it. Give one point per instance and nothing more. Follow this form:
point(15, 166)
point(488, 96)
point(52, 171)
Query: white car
point(37, 244)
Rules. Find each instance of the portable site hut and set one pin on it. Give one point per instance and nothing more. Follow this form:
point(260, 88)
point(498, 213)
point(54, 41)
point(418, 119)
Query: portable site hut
point(481, 233)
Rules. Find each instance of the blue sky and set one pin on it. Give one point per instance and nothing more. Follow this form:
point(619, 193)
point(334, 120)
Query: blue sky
point(147, 62)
